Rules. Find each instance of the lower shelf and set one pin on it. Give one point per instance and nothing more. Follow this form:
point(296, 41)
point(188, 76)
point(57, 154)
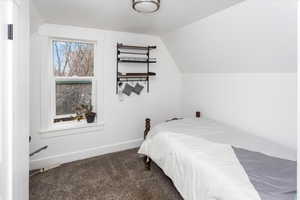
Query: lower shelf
point(136, 75)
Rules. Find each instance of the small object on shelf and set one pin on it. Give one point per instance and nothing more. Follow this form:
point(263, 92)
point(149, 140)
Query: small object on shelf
point(140, 54)
point(128, 89)
point(138, 88)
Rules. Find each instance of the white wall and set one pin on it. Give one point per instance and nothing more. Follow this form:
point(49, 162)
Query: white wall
point(35, 18)
point(123, 121)
point(298, 76)
point(14, 104)
point(254, 36)
point(5, 105)
point(21, 104)
point(262, 104)
point(248, 55)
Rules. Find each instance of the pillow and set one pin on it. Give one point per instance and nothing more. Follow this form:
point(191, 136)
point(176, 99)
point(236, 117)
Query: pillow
point(128, 89)
point(138, 88)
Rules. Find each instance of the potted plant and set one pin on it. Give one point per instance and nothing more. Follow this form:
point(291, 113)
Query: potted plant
point(80, 112)
point(89, 114)
point(85, 111)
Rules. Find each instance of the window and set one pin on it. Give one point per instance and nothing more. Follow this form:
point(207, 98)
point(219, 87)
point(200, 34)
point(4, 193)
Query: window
point(73, 79)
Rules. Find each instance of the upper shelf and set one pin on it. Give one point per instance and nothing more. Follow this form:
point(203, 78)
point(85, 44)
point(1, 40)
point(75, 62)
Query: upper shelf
point(128, 47)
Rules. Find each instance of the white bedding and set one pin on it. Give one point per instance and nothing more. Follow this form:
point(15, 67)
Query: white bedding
point(221, 133)
point(198, 157)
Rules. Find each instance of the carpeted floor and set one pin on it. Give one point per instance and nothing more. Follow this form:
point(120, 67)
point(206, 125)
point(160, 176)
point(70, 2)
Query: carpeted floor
point(117, 176)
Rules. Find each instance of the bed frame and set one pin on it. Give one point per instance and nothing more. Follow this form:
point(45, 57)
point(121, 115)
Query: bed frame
point(147, 159)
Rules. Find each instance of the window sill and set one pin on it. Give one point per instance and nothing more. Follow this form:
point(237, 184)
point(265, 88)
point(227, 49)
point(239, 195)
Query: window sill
point(71, 129)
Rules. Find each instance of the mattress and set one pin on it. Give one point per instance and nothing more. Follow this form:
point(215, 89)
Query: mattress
point(186, 147)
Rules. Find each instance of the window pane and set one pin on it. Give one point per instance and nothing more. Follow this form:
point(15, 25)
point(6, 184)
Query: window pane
point(73, 58)
point(71, 94)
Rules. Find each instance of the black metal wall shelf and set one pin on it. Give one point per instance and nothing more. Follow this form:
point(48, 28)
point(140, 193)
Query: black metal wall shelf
point(134, 50)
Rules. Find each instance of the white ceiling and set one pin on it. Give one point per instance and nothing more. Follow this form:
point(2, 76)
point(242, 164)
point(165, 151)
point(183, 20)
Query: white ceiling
point(118, 14)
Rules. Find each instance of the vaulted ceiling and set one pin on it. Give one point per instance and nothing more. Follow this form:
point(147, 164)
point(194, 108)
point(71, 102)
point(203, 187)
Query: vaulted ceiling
point(203, 36)
point(118, 14)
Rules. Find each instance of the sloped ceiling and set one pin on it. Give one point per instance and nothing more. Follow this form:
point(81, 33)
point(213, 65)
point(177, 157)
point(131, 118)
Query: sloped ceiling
point(252, 37)
point(203, 36)
point(118, 14)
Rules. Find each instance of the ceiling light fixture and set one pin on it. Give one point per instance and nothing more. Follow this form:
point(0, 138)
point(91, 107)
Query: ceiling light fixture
point(146, 6)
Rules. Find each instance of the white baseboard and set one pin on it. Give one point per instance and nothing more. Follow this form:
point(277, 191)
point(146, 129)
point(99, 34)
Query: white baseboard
point(86, 153)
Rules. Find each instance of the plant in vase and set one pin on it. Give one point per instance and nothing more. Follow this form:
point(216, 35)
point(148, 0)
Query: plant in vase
point(80, 112)
point(85, 111)
point(89, 114)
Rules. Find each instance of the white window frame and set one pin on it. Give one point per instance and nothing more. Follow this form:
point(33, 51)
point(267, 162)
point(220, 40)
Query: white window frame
point(92, 79)
point(48, 88)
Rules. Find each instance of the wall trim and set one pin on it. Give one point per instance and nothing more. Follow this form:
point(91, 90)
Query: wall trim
point(71, 130)
point(83, 154)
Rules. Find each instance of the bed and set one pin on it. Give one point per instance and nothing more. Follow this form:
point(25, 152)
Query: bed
point(207, 160)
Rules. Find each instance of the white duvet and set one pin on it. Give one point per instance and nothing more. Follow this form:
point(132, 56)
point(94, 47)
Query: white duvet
point(200, 169)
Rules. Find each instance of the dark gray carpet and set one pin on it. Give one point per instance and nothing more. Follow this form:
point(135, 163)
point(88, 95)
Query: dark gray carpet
point(117, 176)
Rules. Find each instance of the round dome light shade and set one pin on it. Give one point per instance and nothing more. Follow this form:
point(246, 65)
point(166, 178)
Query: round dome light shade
point(146, 6)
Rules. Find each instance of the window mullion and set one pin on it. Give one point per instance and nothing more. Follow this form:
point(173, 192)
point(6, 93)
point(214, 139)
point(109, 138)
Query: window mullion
point(74, 78)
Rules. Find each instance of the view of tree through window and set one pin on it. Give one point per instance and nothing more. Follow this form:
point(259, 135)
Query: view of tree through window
point(72, 60)
point(70, 94)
